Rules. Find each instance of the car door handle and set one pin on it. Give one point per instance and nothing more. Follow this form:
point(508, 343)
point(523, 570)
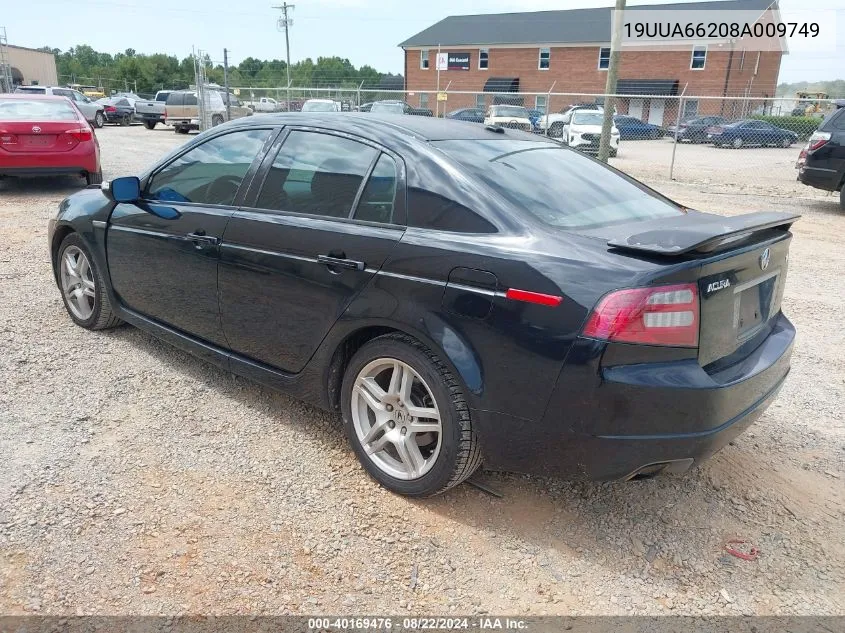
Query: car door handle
point(340, 262)
point(200, 236)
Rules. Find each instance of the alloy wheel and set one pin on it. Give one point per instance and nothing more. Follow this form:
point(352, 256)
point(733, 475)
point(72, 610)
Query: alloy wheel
point(78, 283)
point(396, 419)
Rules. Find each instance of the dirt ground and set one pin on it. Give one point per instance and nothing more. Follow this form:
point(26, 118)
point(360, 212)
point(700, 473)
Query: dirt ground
point(135, 479)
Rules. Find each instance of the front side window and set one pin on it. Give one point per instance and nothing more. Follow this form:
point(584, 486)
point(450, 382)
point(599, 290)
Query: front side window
point(483, 58)
point(318, 174)
point(540, 103)
point(424, 59)
point(480, 101)
point(545, 58)
point(699, 57)
point(604, 58)
point(534, 177)
point(210, 173)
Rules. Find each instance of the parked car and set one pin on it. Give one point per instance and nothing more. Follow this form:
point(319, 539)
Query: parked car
point(150, 113)
point(695, 130)
point(582, 131)
point(182, 110)
point(534, 116)
point(117, 110)
point(750, 132)
point(821, 163)
point(473, 115)
point(321, 105)
point(632, 128)
point(91, 110)
point(391, 106)
point(46, 135)
point(364, 107)
point(264, 104)
point(509, 116)
point(424, 280)
point(554, 121)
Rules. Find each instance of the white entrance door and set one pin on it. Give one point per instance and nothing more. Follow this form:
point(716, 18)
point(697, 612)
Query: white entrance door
point(635, 108)
point(655, 111)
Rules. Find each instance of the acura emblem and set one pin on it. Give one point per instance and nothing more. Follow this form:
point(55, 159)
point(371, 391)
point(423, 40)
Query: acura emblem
point(764, 260)
point(36, 129)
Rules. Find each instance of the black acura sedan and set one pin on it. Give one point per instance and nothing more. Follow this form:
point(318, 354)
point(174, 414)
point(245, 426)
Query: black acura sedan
point(460, 294)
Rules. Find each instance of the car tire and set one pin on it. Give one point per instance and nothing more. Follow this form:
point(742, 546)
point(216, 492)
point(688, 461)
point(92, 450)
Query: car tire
point(842, 197)
point(216, 120)
point(124, 121)
point(181, 130)
point(99, 119)
point(150, 125)
point(786, 142)
point(556, 130)
point(737, 142)
point(612, 152)
point(437, 463)
point(93, 312)
point(94, 177)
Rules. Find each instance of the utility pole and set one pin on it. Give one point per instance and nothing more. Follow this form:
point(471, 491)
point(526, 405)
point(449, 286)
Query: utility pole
point(226, 83)
point(285, 22)
point(610, 86)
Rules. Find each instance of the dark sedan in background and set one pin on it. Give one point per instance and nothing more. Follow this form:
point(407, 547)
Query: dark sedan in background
point(633, 129)
point(750, 132)
point(117, 110)
point(459, 293)
point(473, 115)
point(695, 130)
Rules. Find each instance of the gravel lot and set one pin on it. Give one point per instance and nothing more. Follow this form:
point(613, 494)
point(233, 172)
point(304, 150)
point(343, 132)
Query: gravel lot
point(135, 479)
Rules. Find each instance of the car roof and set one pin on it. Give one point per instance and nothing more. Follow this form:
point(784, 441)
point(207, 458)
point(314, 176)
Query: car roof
point(32, 95)
point(424, 128)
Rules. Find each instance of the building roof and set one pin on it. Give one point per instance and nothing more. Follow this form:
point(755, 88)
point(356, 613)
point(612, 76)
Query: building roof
point(572, 26)
point(27, 48)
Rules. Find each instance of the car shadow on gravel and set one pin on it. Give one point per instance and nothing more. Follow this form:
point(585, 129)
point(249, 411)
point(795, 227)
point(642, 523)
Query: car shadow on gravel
point(63, 185)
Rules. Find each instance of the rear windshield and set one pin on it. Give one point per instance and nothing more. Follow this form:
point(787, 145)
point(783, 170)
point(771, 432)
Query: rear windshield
point(162, 96)
point(36, 110)
point(392, 108)
point(557, 185)
point(587, 118)
point(510, 111)
point(318, 106)
point(31, 90)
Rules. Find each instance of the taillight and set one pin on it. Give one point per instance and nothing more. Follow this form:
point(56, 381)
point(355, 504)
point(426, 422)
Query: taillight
point(165, 113)
point(7, 138)
point(110, 109)
point(817, 140)
point(81, 134)
point(660, 315)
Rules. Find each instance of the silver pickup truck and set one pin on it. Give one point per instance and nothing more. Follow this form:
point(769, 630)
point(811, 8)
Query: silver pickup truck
point(152, 112)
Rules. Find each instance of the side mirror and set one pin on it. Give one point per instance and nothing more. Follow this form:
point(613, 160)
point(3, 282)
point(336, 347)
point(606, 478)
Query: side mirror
point(126, 189)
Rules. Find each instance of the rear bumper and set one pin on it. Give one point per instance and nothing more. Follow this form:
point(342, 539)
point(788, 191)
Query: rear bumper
point(149, 116)
point(82, 158)
point(609, 423)
point(825, 179)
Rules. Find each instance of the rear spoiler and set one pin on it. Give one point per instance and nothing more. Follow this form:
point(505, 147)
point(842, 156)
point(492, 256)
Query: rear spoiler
point(703, 232)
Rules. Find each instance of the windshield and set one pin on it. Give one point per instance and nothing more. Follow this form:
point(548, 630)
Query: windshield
point(513, 111)
point(587, 118)
point(30, 89)
point(319, 106)
point(390, 108)
point(556, 185)
point(36, 110)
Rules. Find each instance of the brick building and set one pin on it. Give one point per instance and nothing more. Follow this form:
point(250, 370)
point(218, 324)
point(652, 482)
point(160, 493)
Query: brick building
point(568, 52)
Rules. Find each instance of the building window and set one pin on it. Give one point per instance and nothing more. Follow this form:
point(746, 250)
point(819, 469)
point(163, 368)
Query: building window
point(690, 109)
point(480, 102)
point(423, 99)
point(424, 59)
point(699, 57)
point(545, 56)
point(540, 103)
point(483, 58)
point(604, 58)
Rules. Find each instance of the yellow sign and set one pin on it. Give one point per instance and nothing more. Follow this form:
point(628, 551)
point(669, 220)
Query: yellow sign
point(442, 96)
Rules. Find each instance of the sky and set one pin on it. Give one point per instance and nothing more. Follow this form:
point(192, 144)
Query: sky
point(364, 31)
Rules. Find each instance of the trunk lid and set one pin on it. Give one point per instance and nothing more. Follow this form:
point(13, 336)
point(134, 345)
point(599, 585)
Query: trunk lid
point(29, 137)
point(738, 263)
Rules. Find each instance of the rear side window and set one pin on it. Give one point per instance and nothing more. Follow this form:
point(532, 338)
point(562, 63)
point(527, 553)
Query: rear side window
point(36, 110)
point(190, 100)
point(556, 185)
point(834, 121)
point(319, 174)
point(376, 202)
point(210, 173)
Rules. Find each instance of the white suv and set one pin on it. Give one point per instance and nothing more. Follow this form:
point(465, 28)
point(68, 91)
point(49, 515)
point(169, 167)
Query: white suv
point(91, 110)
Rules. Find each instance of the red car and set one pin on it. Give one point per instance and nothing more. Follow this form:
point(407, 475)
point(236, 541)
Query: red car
point(43, 135)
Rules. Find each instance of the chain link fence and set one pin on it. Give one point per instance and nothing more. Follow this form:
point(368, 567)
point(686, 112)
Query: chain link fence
point(689, 138)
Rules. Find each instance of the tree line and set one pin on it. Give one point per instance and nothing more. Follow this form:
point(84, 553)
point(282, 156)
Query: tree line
point(149, 73)
point(835, 88)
